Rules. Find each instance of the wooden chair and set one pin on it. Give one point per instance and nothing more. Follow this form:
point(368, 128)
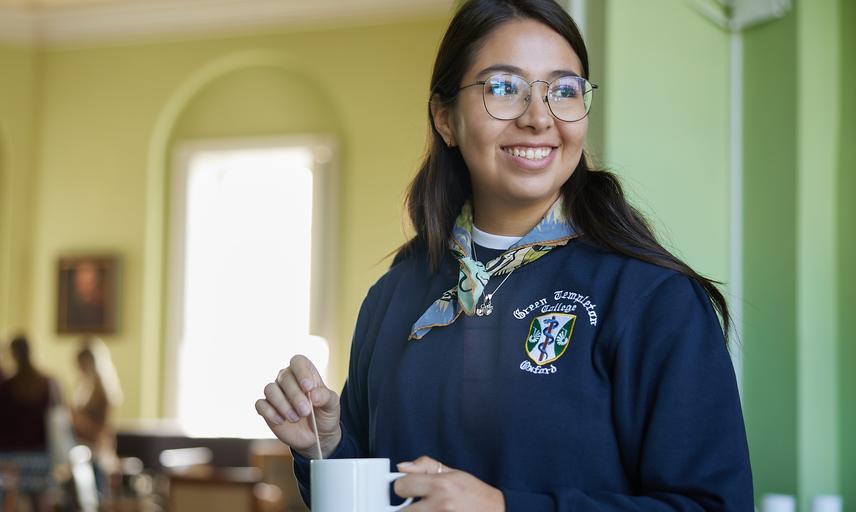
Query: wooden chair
point(276, 464)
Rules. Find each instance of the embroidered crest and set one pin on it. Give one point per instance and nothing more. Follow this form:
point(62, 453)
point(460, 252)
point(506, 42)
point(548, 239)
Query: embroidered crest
point(549, 337)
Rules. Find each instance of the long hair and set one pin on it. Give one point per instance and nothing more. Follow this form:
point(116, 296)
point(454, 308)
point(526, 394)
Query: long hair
point(593, 197)
point(105, 372)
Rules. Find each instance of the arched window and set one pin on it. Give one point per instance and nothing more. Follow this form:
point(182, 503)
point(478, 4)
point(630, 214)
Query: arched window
point(247, 244)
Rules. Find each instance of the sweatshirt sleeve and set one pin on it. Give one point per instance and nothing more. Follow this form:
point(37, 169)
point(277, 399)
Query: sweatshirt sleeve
point(677, 414)
point(353, 403)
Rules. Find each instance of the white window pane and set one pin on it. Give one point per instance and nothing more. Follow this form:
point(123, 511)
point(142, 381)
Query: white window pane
point(246, 282)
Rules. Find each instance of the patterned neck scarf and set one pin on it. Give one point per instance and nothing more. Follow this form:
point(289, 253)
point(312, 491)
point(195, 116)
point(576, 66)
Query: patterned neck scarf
point(553, 231)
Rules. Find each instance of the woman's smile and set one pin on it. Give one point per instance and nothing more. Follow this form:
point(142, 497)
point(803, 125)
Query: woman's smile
point(529, 156)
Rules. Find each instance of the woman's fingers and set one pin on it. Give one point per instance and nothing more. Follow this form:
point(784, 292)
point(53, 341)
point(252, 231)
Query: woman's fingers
point(269, 413)
point(424, 464)
point(296, 397)
point(302, 377)
point(440, 488)
point(415, 486)
point(422, 506)
point(425, 476)
point(289, 402)
point(297, 435)
point(325, 399)
point(305, 373)
point(275, 396)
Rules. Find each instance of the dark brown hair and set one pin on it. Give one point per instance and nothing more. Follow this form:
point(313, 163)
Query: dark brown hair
point(20, 348)
point(593, 198)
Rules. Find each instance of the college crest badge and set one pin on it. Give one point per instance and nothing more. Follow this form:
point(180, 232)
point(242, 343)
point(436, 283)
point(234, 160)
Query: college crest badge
point(549, 337)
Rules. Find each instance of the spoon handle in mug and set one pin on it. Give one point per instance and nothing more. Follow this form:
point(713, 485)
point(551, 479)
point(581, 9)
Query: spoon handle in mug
point(315, 427)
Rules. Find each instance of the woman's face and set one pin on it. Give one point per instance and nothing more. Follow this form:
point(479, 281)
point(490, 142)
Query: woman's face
point(86, 364)
point(500, 179)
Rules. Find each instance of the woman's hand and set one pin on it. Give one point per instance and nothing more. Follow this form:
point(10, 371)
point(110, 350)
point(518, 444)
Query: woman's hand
point(287, 410)
point(445, 489)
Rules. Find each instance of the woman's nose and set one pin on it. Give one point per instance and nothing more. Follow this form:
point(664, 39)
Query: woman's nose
point(537, 115)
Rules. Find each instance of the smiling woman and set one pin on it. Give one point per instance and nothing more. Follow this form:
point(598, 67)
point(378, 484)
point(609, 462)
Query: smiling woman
point(533, 347)
point(519, 161)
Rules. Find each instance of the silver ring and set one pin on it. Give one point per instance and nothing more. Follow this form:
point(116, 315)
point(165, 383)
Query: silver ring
point(439, 468)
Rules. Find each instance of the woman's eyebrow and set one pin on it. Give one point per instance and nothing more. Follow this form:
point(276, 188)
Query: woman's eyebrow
point(508, 68)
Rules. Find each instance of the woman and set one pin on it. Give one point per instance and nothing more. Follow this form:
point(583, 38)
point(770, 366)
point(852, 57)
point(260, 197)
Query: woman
point(588, 370)
point(97, 392)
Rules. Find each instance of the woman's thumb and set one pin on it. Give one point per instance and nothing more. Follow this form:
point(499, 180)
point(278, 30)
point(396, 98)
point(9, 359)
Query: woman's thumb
point(326, 403)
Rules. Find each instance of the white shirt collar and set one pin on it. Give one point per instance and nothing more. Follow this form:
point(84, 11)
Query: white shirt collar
point(491, 241)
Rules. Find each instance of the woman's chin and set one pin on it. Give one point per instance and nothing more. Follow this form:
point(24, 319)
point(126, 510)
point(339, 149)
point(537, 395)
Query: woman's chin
point(532, 196)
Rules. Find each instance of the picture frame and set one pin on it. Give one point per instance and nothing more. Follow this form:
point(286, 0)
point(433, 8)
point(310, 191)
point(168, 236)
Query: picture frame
point(87, 294)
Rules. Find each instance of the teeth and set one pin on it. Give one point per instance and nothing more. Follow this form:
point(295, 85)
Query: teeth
point(530, 153)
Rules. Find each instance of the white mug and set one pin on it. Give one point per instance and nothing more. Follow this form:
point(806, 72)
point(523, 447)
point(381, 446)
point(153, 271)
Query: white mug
point(352, 485)
point(827, 503)
point(778, 503)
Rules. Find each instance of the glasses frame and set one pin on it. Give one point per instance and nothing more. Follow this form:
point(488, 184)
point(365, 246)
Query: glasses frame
point(528, 98)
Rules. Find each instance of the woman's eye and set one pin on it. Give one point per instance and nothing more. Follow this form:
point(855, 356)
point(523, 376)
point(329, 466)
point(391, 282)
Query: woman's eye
point(565, 92)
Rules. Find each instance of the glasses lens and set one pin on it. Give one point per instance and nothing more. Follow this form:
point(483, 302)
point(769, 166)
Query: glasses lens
point(570, 98)
point(505, 96)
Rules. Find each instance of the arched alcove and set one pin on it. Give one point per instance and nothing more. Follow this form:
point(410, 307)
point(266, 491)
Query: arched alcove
point(256, 101)
point(248, 94)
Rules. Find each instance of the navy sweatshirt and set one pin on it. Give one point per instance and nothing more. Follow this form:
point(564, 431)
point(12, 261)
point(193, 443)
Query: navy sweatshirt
point(599, 383)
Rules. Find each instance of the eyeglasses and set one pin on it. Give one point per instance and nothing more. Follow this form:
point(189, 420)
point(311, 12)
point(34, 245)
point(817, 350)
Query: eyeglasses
point(507, 96)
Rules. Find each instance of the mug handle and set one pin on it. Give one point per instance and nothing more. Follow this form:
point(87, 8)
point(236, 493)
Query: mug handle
point(392, 478)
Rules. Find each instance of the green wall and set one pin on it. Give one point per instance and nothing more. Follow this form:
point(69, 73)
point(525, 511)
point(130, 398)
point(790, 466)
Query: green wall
point(769, 187)
point(818, 343)
point(666, 129)
point(18, 82)
point(796, 255)
point(666, 132)
point(847, 253)
point(594, 32)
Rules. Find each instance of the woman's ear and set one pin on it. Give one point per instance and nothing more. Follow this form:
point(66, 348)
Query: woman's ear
point(441, 114)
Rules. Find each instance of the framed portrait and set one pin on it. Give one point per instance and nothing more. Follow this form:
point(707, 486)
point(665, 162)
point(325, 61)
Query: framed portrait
point(88, 295)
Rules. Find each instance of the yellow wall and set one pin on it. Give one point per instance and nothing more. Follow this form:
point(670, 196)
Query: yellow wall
point(110, 116)
point(17, 116)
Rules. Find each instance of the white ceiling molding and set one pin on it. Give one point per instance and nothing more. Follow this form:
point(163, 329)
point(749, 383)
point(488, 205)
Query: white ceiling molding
point(17, 25)
point(737, 15)
point(124, 20)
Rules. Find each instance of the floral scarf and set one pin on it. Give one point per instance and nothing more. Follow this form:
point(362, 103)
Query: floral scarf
point(553, 231)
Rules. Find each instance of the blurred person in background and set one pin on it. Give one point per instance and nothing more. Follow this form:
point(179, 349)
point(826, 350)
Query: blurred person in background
point(25, 397)
point(97, 392)
point(2, 373)
point(26, 401)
